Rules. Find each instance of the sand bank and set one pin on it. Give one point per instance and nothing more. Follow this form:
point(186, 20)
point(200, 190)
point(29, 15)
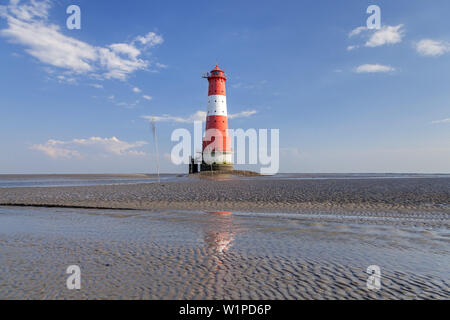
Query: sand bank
point(250, 194)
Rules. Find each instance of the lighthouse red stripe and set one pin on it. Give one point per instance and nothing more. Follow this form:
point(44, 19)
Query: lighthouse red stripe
point(217, 86)
point(219, 123)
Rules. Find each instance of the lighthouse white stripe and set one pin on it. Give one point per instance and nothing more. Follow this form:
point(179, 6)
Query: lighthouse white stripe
point(217, 105)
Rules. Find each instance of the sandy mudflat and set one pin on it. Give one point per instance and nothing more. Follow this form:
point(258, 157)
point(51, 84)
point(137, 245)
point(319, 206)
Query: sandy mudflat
point(198, 255)
point(257, 194)
point(255, 238)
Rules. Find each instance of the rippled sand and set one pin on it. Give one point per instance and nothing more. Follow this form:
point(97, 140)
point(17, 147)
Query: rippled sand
point(142, 254)
point(420, 195)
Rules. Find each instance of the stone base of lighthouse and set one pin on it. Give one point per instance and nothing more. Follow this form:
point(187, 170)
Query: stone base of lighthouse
point(216, 167)
point(217, 161)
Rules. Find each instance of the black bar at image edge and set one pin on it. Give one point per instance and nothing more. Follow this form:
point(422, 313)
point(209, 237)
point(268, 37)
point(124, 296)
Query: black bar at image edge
point(228, 309)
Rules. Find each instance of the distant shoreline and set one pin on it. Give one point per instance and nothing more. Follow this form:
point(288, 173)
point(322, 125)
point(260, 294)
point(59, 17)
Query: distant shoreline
point(83, 175)
point(234, 172)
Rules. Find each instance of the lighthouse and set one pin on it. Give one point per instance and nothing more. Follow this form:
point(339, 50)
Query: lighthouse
point(216, 153)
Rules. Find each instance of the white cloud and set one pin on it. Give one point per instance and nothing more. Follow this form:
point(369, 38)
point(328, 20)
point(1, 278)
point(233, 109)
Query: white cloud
point(126, 49)
point(379, 37)
point(55, 149)
point(51, 47)
point(446, 120)
point(79, 148)
point(27, 25)
point(150, 39)
point(197, 116)
point(112, 145)
point(386, 35)
point(243, 114)
point(357, 31)
point(117, 67)
point(254, 85)
point(128, 105)
point(96, 85)
point(66, 79)
point(429, 47)
point(373, 68)
point(27, 12)
point(160, 65)
point(145, 96)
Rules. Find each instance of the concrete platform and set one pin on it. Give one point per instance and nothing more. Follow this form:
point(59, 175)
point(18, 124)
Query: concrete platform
point(216, 167)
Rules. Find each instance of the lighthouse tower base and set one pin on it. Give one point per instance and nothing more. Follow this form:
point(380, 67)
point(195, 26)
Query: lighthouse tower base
point(217, 161)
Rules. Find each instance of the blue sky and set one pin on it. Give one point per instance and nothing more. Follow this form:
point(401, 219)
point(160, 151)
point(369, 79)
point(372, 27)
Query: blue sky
point(346, 99)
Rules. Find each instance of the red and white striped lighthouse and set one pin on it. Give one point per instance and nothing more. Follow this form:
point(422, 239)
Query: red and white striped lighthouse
point(217, 155)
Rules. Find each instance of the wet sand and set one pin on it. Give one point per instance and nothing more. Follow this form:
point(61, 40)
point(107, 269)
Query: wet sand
point(72, 180)
point(200, 255)
point(256, 238)
point(411, 195)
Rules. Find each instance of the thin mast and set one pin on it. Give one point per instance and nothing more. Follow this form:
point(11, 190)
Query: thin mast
point(155, 140)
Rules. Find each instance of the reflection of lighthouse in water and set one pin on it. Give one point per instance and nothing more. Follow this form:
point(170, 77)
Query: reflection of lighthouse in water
point(217, 153)
point(220, 238)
